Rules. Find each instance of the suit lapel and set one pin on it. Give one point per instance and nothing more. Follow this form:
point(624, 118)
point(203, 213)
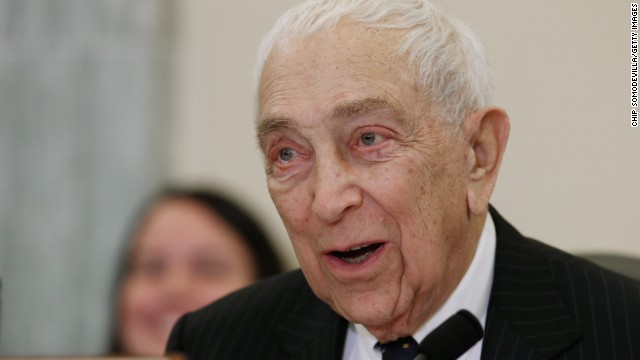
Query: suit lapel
point(312, 330)
point(527, 316)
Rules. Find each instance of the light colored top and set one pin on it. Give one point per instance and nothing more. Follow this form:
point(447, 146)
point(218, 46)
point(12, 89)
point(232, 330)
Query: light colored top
point(472, 294)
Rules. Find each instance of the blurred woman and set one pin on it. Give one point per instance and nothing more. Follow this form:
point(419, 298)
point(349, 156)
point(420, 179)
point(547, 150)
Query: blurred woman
point(188, 248)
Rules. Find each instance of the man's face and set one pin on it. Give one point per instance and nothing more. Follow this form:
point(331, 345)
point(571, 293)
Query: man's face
point(372, 190)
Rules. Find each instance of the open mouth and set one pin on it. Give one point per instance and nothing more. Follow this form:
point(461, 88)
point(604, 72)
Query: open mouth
point(357, 254)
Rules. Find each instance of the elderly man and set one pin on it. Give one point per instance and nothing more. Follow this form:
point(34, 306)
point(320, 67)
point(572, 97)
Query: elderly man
point(382, 149)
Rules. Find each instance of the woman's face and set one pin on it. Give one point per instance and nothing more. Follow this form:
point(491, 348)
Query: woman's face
point(184, 257)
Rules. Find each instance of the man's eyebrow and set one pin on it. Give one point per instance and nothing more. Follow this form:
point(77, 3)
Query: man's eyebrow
point(351, 109)
point(361, 107)
point(270, 124)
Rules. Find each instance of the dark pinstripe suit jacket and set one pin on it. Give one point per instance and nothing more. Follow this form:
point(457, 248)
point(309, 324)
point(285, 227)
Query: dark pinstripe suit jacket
point(545, 304)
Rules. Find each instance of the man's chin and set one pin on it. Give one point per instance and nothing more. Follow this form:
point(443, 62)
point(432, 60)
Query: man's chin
point(385, 317)
point(386, 329)
point(377, 304)
point(376, 317)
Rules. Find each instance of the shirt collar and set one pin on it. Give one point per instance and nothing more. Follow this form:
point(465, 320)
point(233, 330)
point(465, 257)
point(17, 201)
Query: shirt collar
point(473, 291)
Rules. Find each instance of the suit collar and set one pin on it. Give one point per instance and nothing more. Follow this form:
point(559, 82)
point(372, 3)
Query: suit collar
point(525, 300)
point(312, 330)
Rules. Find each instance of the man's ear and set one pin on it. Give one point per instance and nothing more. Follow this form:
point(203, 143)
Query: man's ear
point(486, 133)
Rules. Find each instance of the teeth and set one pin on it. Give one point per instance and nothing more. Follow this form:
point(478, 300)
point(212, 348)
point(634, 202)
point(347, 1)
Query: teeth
point(356, 248)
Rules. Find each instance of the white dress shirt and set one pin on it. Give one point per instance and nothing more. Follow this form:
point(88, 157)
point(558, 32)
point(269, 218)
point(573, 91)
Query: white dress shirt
point(472, 294)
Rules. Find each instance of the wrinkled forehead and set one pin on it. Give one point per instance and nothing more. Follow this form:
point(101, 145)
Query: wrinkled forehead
point(347, 58)
point(340, 32)
point(348, 43)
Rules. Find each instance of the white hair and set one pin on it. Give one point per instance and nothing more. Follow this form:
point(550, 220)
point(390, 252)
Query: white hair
point(451, 65)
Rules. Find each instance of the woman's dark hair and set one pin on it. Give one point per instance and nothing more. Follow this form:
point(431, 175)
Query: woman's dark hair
point(260, 246)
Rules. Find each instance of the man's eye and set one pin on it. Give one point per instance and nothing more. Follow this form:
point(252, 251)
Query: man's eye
point(368, 139)
point(286, 154)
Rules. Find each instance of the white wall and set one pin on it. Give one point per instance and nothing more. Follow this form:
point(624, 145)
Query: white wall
point(571, 172)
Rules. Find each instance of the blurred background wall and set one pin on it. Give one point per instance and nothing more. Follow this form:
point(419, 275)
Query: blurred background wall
point(101, 101)
point(84, 113)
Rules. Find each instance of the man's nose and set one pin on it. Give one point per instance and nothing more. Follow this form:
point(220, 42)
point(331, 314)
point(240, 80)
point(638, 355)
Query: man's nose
point(334, 188)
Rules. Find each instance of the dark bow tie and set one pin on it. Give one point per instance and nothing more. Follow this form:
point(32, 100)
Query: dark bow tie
point(404, 348)
point(448, 341)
